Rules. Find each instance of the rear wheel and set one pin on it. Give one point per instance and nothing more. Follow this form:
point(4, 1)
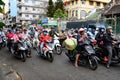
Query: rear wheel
point(50, 56)
point(93, 63)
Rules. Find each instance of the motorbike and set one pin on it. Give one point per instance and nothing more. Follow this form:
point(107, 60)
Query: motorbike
point(2, 41)
point(101, 53)
point(87, 56)
point(56, 45)
point(47, 50)
point(23, 50)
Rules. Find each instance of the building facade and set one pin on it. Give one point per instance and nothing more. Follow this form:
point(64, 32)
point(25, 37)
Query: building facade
point(81, 8)
point(28, 10)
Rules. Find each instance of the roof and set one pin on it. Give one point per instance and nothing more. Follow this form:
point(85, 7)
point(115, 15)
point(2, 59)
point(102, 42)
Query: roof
point(115, 9)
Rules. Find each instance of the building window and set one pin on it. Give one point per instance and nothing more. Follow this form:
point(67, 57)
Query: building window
point(83, 1)
point(98, 3)
point(83, 14)
point(26, 15)
point(33, 9)
point(76, 13)
point(104, 4)
point(73, 13)
point(91, 2)
point(26, 8)
point(34, 15)
point(72, 2)
point(26, 0)
point(76, 1)
point(33, 1)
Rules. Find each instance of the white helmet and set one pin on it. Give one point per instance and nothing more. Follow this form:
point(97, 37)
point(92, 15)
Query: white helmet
point(81, 29)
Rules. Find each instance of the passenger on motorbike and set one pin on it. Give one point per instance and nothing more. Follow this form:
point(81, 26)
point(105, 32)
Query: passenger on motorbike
point(80, 38)
point(100, 36)
point(42, 38)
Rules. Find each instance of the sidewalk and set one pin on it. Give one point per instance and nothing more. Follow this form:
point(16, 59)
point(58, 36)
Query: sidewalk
point(7, 73)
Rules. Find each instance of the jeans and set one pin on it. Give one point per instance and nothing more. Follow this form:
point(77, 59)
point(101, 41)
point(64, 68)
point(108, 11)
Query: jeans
point(110, 53)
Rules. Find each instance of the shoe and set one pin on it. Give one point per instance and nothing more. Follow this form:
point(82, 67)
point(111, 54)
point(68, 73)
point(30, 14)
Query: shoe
point(76, 65)
point(107, 66)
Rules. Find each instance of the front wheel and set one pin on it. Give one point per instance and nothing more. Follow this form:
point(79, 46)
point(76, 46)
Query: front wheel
point(50, 56)
point(58, 50)
point(93, 63)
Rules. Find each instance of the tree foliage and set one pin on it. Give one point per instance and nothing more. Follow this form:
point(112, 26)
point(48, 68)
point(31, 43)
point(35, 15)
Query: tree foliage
point(59, 5)
point(59, 14)
point(50, 9)
point(3, 4)
point(2, 24)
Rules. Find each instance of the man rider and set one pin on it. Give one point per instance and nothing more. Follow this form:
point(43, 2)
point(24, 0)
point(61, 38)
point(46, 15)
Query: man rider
point(80, 38)
point(52, 32)
point(43, 37)
point(108, 43)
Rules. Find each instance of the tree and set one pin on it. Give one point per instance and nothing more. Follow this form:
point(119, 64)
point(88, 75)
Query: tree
point(59, 14)
point(2, 4)
point(59, 5)
point(50, 9)
point(2, 24)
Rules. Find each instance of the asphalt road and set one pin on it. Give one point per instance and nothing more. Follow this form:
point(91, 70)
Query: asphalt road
point(36, 68)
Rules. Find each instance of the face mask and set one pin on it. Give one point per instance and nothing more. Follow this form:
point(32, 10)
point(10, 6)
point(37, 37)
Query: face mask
point(45, 33)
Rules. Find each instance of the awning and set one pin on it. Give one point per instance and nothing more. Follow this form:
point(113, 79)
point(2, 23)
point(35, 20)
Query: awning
point(50, 23)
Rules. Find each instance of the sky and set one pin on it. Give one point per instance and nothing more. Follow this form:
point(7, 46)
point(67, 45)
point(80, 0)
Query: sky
point(13, 8)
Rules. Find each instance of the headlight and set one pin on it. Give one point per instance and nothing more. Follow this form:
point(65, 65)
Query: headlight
point(119, 45)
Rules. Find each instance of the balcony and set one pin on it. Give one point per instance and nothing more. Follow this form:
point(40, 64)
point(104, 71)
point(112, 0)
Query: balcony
point(104, 1)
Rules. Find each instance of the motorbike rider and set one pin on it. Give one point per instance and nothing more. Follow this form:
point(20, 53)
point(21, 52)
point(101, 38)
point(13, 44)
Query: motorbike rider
point(52, 32)
point(27, 37)
point(16, 38)
point(108, 43)
point(10, 34)
point(42, 38)
point(80, 38)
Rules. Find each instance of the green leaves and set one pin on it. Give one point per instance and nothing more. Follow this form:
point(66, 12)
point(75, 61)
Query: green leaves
point(3, 4)
point(59, 14)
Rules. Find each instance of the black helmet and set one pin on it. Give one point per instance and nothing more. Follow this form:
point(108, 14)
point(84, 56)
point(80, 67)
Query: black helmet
point(101, 30)
point(17, 29)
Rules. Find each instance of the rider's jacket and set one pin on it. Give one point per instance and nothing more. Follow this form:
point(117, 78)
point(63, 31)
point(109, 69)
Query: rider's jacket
point(44, 37)
point(10, 35)
point(17, 36)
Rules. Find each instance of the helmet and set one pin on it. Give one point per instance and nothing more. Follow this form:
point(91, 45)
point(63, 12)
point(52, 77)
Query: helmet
point(81, 29)
point(109, 27)
point(9, 30)
point(101, 30)
point(17, 29)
